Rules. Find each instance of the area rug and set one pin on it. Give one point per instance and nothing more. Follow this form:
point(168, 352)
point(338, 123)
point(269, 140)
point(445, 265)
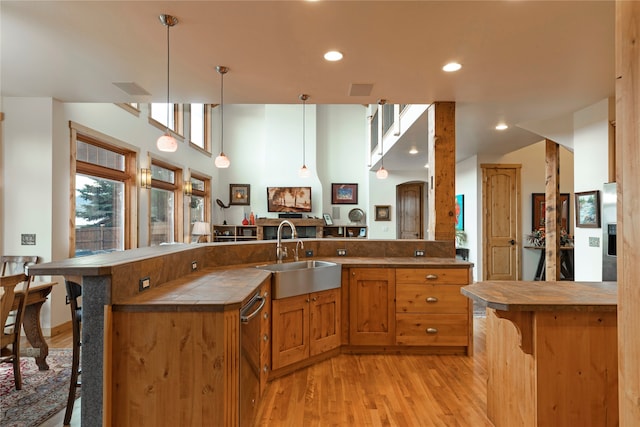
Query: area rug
point(43, 394)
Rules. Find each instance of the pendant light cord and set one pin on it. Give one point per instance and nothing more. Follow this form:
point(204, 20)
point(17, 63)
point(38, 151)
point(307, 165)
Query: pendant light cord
point(304, 156)
point(222, 112)
point(168, 62)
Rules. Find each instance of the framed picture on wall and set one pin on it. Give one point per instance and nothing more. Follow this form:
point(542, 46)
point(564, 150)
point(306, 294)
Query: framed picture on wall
point(538, 209)
point(588, 209)
point(459, 210)
point(344, 194)
point(383, 213)
point(239, 194)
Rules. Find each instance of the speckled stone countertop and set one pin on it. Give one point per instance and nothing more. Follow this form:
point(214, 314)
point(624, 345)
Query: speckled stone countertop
point(544, 296)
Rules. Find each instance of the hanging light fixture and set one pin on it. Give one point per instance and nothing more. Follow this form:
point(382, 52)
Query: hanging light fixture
point(382, 172)
point(304, 171)
point(167, 142)
point(222, 161)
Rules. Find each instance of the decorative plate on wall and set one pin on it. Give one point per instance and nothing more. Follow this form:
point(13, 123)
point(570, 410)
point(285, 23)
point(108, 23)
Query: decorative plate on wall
point(356, 215)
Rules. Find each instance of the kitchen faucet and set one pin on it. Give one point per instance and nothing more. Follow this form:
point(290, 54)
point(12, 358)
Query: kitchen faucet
point(281, 251)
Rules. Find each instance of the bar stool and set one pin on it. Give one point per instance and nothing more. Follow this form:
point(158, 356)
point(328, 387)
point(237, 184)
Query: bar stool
point(74, 291)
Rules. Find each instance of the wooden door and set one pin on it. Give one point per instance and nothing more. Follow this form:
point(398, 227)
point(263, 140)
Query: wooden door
point(410, 210)
point(501, 226)
point(324, 312)
point(372, 306)
point(290, 327)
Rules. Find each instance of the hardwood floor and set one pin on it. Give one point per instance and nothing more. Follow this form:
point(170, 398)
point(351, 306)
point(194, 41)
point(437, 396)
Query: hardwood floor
point(371, 390)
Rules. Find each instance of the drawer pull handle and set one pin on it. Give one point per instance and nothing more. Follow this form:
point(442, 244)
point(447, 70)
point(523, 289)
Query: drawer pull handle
point(432, 331)
point(432, 299)
point(432, 276)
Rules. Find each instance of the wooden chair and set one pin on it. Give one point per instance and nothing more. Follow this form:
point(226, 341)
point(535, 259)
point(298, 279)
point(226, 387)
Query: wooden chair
point(14, 264)
point(74, 291)
point(14, 303)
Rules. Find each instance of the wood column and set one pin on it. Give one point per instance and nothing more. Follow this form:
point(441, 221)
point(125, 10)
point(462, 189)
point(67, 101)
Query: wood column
point(442, 170)
point(552, 212)
point(628, 179)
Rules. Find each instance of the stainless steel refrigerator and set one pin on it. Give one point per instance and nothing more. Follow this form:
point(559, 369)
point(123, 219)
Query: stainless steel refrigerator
point(609, 233)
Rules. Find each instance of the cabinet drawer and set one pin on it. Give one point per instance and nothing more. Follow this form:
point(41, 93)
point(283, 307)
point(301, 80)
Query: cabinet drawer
point(458, 276)
point(432, 329)
point(436, 299)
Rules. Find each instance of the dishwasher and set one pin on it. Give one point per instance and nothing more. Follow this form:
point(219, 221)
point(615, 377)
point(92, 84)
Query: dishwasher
point(250, 358)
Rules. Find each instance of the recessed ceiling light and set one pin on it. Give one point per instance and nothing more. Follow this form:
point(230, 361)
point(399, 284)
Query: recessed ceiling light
point(333, 55)
point(451, 67)
point(413, 150)
point(502, 126)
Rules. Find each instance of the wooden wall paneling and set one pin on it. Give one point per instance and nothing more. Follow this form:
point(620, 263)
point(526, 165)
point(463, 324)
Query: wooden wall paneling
point(628, 178)
point(442, 168)
point(552, 213)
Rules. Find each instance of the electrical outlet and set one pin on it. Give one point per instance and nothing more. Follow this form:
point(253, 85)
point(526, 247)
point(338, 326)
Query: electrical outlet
point(308, 253)
point(342, 252)
point(194, 265)
point(594, 242)
point(418, 252)
point(145, 283)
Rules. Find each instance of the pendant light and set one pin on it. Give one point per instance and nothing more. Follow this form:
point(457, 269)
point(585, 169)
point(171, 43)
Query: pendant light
point(382, 172)
point(222, 161)
point(304, 171)
point(167, 142)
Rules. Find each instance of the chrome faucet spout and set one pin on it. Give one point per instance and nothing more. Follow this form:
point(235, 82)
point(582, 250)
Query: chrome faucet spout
point(281, 251)
point(300, 244)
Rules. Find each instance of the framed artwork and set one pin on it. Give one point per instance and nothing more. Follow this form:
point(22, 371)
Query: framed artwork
point(459, 209)
point(538, 209)
point(239, 194)
point(383, 213)
point(344, 194)
point(588, 209)
point(327, 219)
point(289, 199)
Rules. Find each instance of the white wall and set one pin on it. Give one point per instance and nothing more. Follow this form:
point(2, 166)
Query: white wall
point(467, 178)
point(591, 142)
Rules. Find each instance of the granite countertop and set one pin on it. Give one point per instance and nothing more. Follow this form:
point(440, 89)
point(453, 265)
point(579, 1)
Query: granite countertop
point(205, 290)
point(544, 296)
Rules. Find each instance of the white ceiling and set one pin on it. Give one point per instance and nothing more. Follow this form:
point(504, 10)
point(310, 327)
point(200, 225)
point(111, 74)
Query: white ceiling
point(523, 61)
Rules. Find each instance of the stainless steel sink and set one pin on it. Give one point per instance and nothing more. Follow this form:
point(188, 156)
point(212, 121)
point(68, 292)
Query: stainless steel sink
point(302, 277)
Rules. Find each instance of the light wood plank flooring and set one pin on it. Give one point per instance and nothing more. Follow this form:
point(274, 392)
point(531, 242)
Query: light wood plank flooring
point(371, 390)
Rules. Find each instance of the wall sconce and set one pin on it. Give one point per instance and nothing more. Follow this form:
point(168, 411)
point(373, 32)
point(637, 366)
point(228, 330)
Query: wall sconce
point(145, 178)
point(188, 188)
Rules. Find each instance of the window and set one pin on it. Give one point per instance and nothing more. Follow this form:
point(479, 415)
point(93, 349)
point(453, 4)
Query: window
point(166, 196)
point(200, 126)
point(104, 177)
point(158, 116)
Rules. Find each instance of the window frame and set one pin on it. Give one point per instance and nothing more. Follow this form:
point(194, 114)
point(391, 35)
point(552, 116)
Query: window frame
point(127, 177)
point(178, 194)
point(206, 194)
point(207, 131)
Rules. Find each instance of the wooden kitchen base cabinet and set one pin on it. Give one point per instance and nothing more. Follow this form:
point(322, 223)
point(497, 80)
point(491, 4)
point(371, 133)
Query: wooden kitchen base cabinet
point(372, 293)
point(305, 326)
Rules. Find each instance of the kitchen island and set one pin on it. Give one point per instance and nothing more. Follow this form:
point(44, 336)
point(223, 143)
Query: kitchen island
point(169, 300)
point(551, 352)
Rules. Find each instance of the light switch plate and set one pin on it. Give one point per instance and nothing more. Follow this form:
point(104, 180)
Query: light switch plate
point(594, 242)
point(194, 265)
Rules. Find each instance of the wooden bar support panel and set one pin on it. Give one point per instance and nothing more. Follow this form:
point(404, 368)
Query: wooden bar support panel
point(552, 211)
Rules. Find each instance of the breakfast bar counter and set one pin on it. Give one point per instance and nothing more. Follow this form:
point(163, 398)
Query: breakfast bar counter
point(551, 352)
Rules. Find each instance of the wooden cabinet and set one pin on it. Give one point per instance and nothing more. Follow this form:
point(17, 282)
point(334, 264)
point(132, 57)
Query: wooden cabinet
point(430, 310)
point(234, 233)
point(304, 326)
point(372, 306)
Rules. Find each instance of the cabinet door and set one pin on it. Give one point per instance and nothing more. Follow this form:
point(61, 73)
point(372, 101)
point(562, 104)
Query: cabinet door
point(324, 321)
point(290, 330)
point(372, 306)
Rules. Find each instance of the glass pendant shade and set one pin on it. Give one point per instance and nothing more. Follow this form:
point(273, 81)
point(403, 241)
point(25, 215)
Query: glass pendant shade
point(222, 161)
point(167, 143)
point(304, 172)
point(382, 173)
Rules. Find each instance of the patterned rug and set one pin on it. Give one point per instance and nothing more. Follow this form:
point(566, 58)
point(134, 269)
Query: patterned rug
point(43, 394)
